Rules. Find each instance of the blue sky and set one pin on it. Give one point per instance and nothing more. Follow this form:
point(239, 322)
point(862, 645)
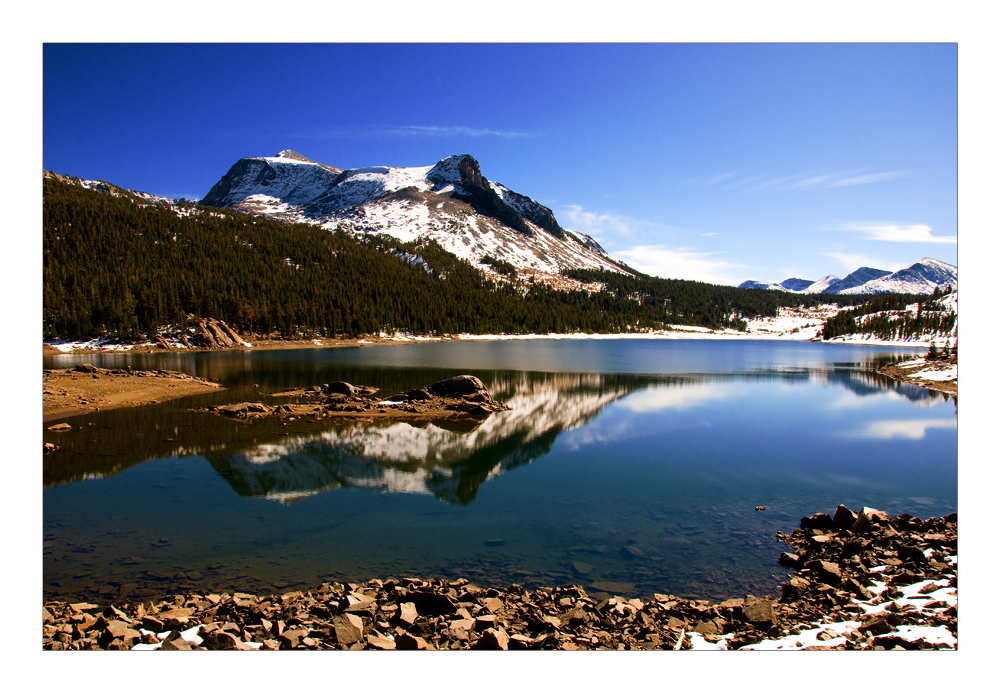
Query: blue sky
point(717, 162)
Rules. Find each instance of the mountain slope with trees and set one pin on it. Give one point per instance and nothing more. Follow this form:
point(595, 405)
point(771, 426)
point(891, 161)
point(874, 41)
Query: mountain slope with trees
point(125, 265)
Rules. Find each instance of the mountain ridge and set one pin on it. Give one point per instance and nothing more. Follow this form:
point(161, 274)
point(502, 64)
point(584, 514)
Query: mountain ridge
point(922, 277)
point(450, 202)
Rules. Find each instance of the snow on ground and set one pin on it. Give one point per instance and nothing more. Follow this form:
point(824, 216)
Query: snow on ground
point(835, 633)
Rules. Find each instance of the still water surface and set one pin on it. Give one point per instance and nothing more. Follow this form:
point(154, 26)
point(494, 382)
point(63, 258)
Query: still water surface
point(628, 466)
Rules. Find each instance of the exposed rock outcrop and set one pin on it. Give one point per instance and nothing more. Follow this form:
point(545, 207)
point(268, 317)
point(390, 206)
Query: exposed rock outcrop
point(461, 396)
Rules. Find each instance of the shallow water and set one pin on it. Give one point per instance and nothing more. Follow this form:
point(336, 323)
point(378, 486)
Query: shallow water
point(627, 466)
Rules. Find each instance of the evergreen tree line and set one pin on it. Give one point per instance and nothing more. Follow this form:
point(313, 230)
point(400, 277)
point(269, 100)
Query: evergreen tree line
point(118, 266)
point(889, 318)
point(686, 302)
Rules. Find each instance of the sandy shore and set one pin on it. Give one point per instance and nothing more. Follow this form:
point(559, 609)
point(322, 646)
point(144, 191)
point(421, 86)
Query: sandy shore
point(81, 390)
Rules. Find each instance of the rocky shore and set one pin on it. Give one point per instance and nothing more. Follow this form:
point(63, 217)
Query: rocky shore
point(861, 581)
point(463, 396)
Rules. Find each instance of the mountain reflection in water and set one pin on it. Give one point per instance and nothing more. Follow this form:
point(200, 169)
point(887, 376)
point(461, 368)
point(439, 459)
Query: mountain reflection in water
point(448, 460)
point(668, 456)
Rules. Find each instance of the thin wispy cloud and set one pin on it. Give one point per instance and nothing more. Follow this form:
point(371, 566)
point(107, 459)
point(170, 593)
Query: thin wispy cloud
point(852, 261)
point(866, 179)
point(601, 225)
point(894, 232)
point(452, 131)
point(801, 181)
point(682, 263)
point(412, 131)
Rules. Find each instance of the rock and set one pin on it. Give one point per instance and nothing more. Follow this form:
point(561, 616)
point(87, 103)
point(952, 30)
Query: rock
point(292, 638)
point(405, 641)
point(820, 521)
point(825, 571)
point(339, 388)
point(432, 603)
point(844, 518)
point(493, 639)
point(85, 368)
point(348, 628)
point(493, 604)
point(222, 640)
point(381, 643)
point(911, 554)
point(632, 551)
point(407, 613)
point(788, 560)
point(759, 612)
point(60, 427)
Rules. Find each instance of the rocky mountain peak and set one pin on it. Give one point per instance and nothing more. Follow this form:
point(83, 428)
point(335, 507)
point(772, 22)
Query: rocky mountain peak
point(289, 154)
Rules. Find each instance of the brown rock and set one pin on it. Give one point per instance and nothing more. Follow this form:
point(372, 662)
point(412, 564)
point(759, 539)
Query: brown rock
point(844, 517)
point(759, 612)
point(493, 639)
point(348, 628)
point(381, 643)
point(406, 613)
point(405, 641)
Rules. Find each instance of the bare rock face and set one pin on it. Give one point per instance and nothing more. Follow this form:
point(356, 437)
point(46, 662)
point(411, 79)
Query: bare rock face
point(215, 334)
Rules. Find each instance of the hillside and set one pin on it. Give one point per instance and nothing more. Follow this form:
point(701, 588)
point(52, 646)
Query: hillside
point(898, 319)
point(117, 263)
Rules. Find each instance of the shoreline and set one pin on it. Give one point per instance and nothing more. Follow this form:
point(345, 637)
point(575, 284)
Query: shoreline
point(861, 581)
point(940, 376)
point(74, 348)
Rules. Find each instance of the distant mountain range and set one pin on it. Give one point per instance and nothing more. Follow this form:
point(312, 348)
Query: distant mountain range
point(449, 202)
point(919, 278)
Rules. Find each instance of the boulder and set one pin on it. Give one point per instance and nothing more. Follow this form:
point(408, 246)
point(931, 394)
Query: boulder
point(825, 571)
point(759, 612)
point(844, 518)
point(339, 388)
point(348, 628)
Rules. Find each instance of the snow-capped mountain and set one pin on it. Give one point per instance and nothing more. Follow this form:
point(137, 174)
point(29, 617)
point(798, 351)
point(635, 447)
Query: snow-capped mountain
point(919, 278)
point(449, 202)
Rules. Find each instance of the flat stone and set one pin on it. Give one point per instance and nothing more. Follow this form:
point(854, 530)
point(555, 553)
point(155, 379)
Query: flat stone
point(381, 643)
point(826, 571)
point(407, 613)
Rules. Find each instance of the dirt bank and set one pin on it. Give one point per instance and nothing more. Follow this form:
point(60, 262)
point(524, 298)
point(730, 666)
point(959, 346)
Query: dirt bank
point(86, 388)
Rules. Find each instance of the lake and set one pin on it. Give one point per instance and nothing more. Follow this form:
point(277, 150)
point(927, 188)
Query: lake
point(631, 467)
